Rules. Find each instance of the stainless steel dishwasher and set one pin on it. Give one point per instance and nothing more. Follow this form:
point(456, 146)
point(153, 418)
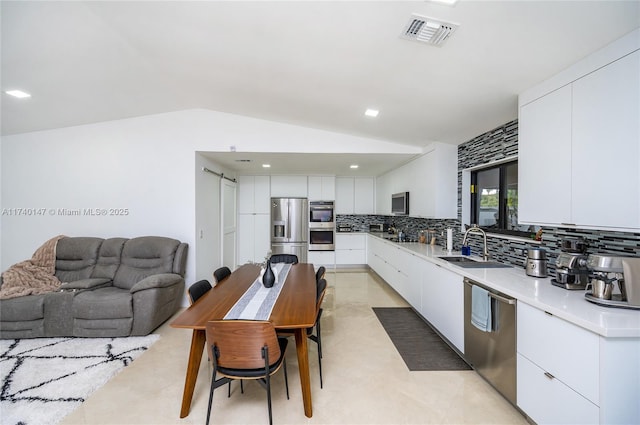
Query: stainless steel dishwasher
point(492, 353)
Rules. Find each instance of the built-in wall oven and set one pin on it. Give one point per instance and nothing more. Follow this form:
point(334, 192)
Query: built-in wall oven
point(322, 226)
point(322, 239)
point(321, 214)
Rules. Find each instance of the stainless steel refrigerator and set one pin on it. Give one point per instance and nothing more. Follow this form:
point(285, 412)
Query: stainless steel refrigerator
point(290, 227)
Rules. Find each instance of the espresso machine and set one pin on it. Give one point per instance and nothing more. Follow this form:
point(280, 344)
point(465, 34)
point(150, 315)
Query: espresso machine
point(607, 286)
point(571, 265)
point(571, 271)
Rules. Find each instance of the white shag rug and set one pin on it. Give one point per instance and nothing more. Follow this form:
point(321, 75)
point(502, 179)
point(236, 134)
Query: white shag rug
point(45, 379)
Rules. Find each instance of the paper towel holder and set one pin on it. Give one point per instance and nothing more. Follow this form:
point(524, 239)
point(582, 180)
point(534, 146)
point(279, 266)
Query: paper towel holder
point(449, 239)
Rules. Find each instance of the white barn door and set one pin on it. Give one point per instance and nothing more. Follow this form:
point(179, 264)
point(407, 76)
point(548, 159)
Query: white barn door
point(228, 222)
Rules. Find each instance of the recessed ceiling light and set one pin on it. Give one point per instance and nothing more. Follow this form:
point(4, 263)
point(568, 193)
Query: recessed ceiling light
point(353, 166)
point(371, 113)
point(448, 2)
point(17, 93)
point(266, 165)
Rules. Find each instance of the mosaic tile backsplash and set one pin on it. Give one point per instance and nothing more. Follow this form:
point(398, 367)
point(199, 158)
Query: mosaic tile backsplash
point(500, 143)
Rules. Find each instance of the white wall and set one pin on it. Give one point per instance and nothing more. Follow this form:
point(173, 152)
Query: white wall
point(144, 164)
point(207, 227)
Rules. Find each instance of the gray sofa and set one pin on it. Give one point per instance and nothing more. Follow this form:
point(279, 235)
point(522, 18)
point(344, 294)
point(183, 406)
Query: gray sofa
point(110, 287)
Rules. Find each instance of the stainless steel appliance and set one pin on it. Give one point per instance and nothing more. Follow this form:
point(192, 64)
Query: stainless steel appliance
point(492, 353)
point(290, 227)
point(631, 269)
point(571, 271)
point(536, 262)
point(608, 286)
point(322, 226)
point(321, 214)
point(345, 228)
point(400, 203)
point(376, 228)
point(322, 239)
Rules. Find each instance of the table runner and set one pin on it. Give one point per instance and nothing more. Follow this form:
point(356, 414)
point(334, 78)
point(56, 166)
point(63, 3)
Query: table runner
point(257, 302)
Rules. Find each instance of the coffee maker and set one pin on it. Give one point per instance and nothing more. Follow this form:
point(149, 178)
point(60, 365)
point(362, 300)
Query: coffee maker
point(571, 265)
point(571, 271)
point(607, 285)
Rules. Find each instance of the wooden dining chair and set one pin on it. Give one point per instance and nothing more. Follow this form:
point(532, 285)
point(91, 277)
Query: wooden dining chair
point(195, 291)
point(221, 274)
point(284, 258)
point(245, 349)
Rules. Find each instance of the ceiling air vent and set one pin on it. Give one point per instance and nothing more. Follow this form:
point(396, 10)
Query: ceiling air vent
point(428, 30)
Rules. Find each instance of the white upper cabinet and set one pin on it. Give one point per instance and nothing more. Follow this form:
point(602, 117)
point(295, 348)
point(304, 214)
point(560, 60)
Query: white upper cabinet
point(355, 195)
point(544, 159)
point(431, 180)
point(254, 208)
point(344, 195)
point(364, 194)
point(606, 137)
point(253, 195)
point(579, 149)
point(289, 186)
point(434, 189)
point(322, 188)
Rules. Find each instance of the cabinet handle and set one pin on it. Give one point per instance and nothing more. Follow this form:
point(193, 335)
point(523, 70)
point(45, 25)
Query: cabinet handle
point(547, 313)
point(568, 224)
point(548, 375)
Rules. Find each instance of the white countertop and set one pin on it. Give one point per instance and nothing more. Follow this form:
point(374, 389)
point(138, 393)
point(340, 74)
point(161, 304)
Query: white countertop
point(569, 305)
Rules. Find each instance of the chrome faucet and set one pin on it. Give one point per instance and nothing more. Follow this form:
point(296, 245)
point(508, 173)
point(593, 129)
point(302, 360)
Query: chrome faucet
point(476, 229)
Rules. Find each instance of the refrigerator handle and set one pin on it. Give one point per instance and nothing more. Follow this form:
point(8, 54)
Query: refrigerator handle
point(288, 220)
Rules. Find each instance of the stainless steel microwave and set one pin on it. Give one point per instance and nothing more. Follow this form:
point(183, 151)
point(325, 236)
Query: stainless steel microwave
point(400, 203)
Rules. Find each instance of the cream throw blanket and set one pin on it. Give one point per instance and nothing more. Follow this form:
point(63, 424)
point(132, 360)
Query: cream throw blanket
point(34, 276)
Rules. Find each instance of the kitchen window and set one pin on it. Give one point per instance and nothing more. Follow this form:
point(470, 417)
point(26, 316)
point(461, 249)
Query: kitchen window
point(494, 200)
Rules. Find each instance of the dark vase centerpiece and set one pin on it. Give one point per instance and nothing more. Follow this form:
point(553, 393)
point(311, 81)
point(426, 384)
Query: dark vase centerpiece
point(268, 278)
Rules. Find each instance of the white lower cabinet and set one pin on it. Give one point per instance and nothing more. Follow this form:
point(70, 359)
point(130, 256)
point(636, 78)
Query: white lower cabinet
point(389, 262)
point(322, 258)
point(558, 369)
point(443, 302)
point(351, 249)
point(374, 261)
point(435, 292)
point(549, 401)
point(415, 269)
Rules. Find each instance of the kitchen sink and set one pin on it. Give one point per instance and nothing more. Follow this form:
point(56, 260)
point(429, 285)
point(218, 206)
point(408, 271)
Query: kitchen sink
point(469, 263)
point(459, 259)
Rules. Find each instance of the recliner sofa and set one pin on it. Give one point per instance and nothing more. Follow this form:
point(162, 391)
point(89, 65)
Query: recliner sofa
point(110, 288)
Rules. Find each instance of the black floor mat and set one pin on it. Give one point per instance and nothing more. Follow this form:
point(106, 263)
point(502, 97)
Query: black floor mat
point(420, 347)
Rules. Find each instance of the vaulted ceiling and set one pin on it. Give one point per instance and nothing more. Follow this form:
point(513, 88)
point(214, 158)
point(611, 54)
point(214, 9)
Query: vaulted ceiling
point(318, 64)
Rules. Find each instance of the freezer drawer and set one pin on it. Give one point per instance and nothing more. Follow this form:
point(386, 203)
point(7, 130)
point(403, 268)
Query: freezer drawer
point(299, 249)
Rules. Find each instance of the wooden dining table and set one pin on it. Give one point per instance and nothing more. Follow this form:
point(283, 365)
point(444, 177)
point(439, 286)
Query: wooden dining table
point(295, 309)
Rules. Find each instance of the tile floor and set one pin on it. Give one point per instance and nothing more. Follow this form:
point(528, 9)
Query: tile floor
point(365, 379)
